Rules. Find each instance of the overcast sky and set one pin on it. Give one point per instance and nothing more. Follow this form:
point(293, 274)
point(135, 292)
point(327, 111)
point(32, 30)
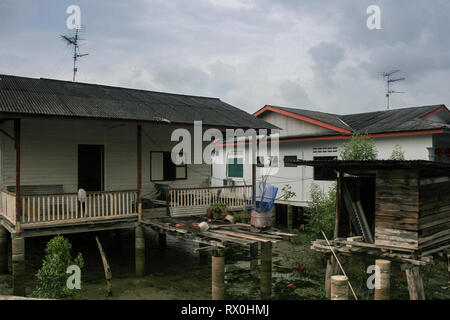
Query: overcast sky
point(316, 54)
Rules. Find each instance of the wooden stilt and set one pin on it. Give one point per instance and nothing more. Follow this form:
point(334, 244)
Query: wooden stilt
point(274, 215)
point(140, 251)
point(162, 241)
point(108, 273)
point(218, 275)
point(266, 270)
point(331, 270)
point(382, 293)
point(3, 250)
point(18, 265)
point(415, 283)
point(290, 217)
point(254, 256)
point(339, 288)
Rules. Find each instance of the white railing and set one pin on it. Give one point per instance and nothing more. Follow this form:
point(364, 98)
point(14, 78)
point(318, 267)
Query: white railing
point(193, 201)
point(38, 209)
point(8, 205)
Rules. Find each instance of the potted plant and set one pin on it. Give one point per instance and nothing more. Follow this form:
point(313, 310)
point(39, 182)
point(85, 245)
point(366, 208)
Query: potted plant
point(219, 210)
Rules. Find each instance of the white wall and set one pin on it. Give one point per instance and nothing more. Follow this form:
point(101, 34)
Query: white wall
point(49, 154)
point(290, 126)
point(301, 178)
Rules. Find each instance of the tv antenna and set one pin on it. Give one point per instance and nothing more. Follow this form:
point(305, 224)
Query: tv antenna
point(389, 80)
point(75, 42)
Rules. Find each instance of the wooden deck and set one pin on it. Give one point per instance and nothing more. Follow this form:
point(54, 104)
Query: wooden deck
point(219, 235)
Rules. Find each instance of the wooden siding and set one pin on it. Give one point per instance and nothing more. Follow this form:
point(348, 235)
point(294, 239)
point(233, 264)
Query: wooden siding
point(49, 155)
point(397, 209)
point(434, 221)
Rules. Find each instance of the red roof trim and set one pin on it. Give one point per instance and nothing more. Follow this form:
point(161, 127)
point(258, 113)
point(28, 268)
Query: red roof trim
point(443, 107)
point(303, 118)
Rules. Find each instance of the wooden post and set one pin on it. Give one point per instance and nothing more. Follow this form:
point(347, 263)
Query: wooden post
point(415, 283)
point(18, 265)
point(17, 149)
point(338, 202)
point(266, 270)
point(108, 273)
point(218, 275)
point(162, 241)
point(385, 282)
point(339, 288)
point(140, 251)
point(3, 250)
point(139, 170)
point(331, 270)
point(290, 216)
point(274, 215)
point(254, 256)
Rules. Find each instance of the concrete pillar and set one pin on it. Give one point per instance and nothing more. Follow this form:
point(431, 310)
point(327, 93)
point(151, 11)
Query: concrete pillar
point(218, 275)
point(3, 250)
point(339, 288)
point(140, 251)
point(266, 270)
point(162, 241)
point(290, 217)
point(18, 265)
point(385, 282)
point(254, 256)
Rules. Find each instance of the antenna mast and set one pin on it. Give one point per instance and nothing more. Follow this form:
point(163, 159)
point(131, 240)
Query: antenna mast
point(75, 42)
point(387, 78)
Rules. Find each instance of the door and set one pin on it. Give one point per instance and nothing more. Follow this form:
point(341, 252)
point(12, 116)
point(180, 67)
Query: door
point(90, 167)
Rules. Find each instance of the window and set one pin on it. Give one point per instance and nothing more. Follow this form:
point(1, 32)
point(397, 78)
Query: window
point(267, 161)
point(235, 167)
point(290, 158)
point(324, 173)
point(163, 169)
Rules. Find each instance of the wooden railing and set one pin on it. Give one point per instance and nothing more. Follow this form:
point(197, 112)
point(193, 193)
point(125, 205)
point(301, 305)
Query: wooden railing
point(8, 205)
point(54, 208)
point(191, 201)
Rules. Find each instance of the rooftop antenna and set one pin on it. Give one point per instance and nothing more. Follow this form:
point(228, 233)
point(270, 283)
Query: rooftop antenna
point(75, 42)
point(389, 80)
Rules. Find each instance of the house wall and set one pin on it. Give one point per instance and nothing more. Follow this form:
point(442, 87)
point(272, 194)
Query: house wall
point(301, 178)
point(49, 154)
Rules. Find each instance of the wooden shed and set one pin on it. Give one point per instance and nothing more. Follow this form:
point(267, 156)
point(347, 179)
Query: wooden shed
point(402, 205)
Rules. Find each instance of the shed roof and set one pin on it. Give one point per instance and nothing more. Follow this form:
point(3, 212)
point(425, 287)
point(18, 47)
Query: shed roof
point(48, 97)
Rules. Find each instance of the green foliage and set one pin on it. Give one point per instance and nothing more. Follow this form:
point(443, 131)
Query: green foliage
point(397, 153)
point(321, 211)
point(52, 277)
point(359, 147)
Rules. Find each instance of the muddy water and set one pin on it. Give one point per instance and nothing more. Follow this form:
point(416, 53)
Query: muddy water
point(176, 273)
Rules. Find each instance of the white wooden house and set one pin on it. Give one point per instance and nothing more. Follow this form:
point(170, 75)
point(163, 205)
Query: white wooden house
point(423, 133)
point(57, 137)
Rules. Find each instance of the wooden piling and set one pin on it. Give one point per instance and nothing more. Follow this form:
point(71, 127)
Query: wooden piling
point(266, 270)
point(254, 256)
point(140, 251)
point(3, 250)
point(218, 275)
point(162, 241)
point(18, 265)
point(415, 283)
point(290, 217)
point(339, 288)
point(331, 270)
point(382, 293)
point(274, 215)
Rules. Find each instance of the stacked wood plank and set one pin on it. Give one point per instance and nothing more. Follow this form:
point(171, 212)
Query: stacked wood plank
point(397, 209)
point(434, 219)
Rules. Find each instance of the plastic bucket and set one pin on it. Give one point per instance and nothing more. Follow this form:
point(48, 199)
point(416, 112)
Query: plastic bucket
point(261, 219)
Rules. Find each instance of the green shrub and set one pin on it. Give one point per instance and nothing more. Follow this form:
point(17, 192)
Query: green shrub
point(321, 211)
point(359, 147)
point(52, 278)
point(397, 153)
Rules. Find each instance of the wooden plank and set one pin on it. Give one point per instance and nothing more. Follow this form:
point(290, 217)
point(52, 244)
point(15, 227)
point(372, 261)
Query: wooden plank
point(239, 235)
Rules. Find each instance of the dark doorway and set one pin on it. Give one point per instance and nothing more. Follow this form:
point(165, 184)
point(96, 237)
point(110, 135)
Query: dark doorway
point(90, 167)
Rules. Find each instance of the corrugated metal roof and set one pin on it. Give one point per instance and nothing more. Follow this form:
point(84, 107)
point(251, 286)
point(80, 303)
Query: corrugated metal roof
point(395, 120)
point(48, 97)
